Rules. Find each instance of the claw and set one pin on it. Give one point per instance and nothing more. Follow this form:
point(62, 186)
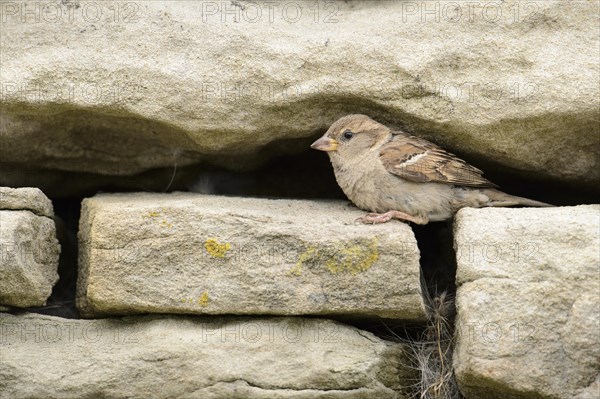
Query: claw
point(376, 218)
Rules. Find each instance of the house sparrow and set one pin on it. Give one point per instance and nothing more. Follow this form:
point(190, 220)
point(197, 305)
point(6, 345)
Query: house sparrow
point(398, 176)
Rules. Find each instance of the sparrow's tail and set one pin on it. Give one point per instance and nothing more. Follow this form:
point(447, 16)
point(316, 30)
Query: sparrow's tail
point(498, 198)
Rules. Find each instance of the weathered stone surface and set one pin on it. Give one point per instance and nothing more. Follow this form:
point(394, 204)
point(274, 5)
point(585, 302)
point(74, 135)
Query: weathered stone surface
point(191, 253)
point(218, 80)
point(528, 302)
point(29, 249)
point(591, 392)
point(179, 357)
point(26, 198)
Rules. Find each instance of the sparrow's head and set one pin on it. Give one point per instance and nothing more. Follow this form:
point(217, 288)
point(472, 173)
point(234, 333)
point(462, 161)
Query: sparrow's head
point(352, 136)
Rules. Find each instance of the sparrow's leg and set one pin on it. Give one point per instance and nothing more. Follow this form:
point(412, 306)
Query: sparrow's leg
point(375, 218)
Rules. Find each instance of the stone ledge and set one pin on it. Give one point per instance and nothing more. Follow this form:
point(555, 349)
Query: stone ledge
point(190, 253)
point(203, 358)
point(142, 104)
point(26, 198)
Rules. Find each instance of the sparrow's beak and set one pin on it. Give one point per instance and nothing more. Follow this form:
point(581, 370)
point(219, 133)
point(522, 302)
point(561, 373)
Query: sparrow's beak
point(325, 144)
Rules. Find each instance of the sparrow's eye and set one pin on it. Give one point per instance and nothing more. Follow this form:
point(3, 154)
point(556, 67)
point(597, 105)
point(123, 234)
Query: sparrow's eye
point(348, 135)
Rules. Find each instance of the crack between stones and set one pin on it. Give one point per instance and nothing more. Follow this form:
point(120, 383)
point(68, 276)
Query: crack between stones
point(364, 334)
point(28, 210)
point(276, 388)
point(433, 351)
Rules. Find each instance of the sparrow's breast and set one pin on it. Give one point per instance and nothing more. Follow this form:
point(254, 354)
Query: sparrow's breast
point(372, 188)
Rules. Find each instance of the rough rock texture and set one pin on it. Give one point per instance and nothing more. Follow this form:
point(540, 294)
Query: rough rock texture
point(118, 89)
point(591, 392)
point(178, 357)
point(29, 249)
point(191, 253)
point(528, 302)
point(26, 198)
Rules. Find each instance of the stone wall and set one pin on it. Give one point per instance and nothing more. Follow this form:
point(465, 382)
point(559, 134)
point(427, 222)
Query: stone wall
point(157, 154)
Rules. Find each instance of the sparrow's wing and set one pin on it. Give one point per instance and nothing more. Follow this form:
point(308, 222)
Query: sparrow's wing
point(420, 161)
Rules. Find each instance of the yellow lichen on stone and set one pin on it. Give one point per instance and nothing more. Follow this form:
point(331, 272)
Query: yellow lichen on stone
point(215, 249)
point(343, 257)
point(203, 300)
point(304, 256)
point(155, 214)
point(353, 258)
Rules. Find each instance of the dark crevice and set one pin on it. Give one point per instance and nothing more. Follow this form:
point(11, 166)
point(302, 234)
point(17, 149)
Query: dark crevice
point(283, 175)
point(432, 351)
point(61, 302)
point(438, 263)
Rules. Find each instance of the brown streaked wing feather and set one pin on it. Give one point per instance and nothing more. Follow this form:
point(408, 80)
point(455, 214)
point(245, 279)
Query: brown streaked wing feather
point(420, 161)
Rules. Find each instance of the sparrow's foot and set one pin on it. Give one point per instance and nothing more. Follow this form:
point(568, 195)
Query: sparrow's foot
point(376, 218)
